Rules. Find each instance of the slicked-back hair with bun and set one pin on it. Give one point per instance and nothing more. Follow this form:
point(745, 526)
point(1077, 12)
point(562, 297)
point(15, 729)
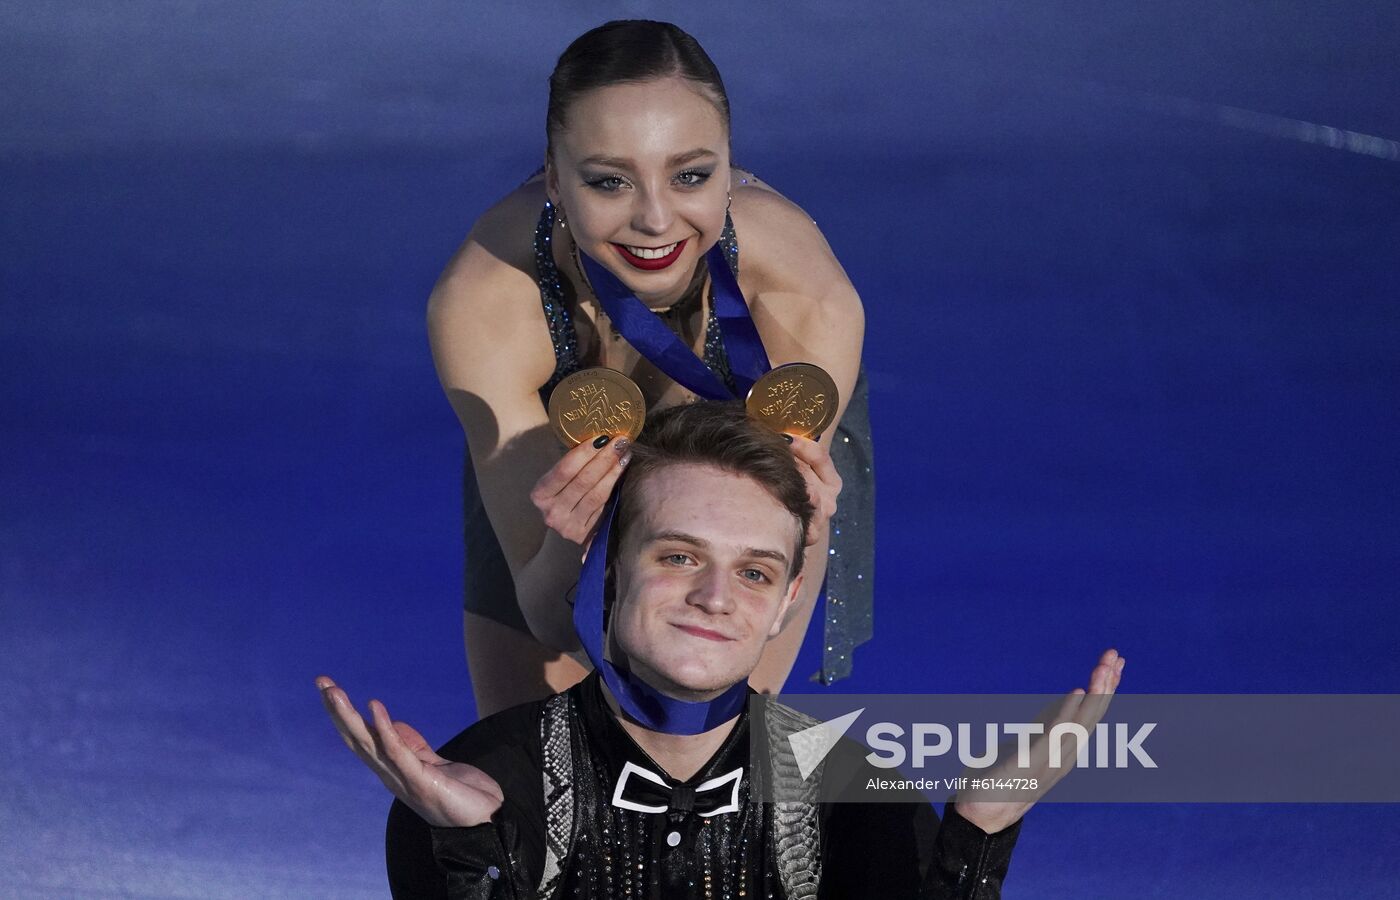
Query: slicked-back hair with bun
point(629, 51)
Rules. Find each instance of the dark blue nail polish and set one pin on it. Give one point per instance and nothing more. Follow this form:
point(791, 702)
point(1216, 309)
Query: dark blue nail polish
point(601, 440)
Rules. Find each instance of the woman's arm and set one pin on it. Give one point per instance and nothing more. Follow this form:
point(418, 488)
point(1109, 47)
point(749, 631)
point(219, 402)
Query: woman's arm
point(492, 350)
point(806, 310)
point(803, 305)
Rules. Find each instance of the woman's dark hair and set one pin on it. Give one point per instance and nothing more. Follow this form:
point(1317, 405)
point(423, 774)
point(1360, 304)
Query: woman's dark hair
point(723, 436)
point(629, 50)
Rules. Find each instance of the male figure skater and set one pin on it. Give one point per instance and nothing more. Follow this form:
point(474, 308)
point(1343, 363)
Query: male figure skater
point(573, 796)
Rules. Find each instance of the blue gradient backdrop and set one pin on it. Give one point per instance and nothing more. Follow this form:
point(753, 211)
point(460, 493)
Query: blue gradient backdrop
point(1132, 353)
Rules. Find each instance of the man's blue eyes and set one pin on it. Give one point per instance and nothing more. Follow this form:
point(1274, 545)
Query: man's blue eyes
point(757, 576)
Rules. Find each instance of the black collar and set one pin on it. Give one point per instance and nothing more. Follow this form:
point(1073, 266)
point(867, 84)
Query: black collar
point(614, 748)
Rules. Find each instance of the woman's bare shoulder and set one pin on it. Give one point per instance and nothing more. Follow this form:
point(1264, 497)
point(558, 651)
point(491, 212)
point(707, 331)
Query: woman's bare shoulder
point(500, 246)
point(780, 246)
point(487, 297)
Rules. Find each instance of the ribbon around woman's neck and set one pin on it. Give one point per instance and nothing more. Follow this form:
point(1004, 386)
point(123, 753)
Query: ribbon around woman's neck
point(639, 700)
point(635, 321)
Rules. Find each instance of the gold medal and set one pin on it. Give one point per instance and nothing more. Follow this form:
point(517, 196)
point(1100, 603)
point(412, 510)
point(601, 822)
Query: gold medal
point(596, 401)
point(798, 398)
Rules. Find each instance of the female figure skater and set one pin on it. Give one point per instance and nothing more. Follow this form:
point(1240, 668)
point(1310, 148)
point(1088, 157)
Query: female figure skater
point(637, 186)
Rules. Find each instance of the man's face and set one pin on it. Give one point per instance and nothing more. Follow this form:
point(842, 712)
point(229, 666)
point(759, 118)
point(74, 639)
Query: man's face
point(702, 579)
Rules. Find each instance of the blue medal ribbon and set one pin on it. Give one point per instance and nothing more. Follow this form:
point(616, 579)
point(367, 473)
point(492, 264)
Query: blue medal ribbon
point(748, 361)
point(636, 322)
point(642, 702)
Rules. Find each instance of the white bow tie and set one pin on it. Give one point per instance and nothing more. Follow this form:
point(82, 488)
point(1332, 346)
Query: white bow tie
point(640, 790)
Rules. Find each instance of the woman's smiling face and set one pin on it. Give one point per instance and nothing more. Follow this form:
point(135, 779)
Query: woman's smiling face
point(642, 174)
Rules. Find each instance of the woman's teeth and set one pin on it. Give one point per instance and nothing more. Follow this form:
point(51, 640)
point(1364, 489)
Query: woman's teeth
point(650, 253)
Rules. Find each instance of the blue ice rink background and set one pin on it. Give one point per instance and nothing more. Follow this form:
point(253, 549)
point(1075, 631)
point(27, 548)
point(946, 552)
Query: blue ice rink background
point(1132, 347)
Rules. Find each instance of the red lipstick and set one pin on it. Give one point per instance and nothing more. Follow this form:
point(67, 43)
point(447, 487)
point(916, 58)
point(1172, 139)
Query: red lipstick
point(650, 265)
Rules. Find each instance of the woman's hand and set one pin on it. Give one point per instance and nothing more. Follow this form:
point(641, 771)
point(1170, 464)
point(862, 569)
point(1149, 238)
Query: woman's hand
point(572, 494)
point(444, 793)
point(1078, 706)
point(823, 483)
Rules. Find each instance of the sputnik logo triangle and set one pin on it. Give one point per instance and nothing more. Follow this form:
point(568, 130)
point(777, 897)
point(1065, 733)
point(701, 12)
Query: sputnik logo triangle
point(811, 745)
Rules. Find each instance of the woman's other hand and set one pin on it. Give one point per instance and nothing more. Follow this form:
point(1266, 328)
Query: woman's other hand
point(823, 483)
